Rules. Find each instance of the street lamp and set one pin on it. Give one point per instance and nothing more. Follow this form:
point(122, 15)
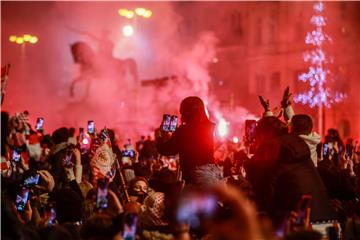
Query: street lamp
point(129, 14)
point(26, 38)
point(128, 30)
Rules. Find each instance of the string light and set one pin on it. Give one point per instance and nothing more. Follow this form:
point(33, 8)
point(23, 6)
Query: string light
point(317, 74)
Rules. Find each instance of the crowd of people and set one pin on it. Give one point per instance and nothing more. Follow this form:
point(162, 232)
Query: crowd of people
point(283, 181)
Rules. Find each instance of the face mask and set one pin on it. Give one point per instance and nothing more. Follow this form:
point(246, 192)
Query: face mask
point(141, 196)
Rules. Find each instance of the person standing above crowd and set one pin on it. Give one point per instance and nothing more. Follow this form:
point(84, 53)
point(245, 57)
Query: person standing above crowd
point(194, 143)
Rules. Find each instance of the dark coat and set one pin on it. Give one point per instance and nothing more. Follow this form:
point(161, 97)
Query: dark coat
point(280, 172)
point(194, 143)
point(338, 182)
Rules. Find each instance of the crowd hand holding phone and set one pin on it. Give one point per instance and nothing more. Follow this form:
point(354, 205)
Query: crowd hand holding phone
point(168, 124)
point(347, 163)
point(49, 215)
point(17, 164)
point(114, 203)
point(26, 215)
point(48, 180)
point(293, 226)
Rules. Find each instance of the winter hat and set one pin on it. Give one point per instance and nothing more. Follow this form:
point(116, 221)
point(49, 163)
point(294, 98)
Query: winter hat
point(154, 206)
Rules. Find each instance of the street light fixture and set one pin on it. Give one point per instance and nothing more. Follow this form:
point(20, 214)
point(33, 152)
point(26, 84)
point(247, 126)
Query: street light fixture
point(24, 39)
point(145, 13)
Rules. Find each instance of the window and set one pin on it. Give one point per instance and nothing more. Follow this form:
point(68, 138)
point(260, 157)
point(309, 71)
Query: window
point(258, 33)
point(236, 23)
point(260, 84)
point(275, 82)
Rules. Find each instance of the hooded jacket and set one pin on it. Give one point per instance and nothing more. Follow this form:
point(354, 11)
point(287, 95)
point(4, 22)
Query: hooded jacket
point(280, 172)
point(312, 140)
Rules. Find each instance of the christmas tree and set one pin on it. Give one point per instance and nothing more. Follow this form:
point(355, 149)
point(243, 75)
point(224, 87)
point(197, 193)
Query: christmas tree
point(317, 75)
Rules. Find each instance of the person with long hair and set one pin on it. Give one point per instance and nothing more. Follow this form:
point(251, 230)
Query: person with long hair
point(194, 143)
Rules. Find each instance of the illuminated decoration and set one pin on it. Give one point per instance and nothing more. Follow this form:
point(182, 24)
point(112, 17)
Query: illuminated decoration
point(129, 14)
point(19, 40)
point(317, 74)
point(222, 128)
point(128, 31)
point(215, 60)
point(12, 38)
point(33, 40)
point(235, 140)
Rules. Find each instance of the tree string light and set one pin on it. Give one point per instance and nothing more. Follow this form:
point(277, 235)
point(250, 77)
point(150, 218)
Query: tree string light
point(317, 74)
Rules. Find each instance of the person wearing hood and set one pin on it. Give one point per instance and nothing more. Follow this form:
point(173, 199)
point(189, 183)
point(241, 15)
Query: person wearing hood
point(281, 171)
point(301, 125)
point(193, 141)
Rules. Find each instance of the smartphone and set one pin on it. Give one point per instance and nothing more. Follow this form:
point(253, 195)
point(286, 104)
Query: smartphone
point(102, 194)
point(81, 133)
point(173, 123)
point(32, 180)
point(194, 207)
point(50, 213)
point(128, 153)
point(250, 131)
point(91, 127)
point(69, 158)
point(16, 155)
point(303, 205)
point(166, 123)
point(21, 199)
point(39, 123)
point(348, 151)
point(326, 150)
point(130, 223)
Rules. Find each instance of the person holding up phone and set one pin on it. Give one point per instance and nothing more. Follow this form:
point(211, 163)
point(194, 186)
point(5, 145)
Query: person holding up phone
point(193, 141)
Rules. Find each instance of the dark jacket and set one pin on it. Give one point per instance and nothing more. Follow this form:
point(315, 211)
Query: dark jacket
point(339, 183)
point(281, 172)
point(194, 143)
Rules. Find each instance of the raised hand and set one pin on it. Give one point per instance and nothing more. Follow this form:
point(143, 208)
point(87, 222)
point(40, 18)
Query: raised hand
point(265, 103)
point(286, 98)
point(48, 178)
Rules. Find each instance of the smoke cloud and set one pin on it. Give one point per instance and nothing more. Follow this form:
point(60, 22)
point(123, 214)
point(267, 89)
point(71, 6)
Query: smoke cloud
point(107, 92)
